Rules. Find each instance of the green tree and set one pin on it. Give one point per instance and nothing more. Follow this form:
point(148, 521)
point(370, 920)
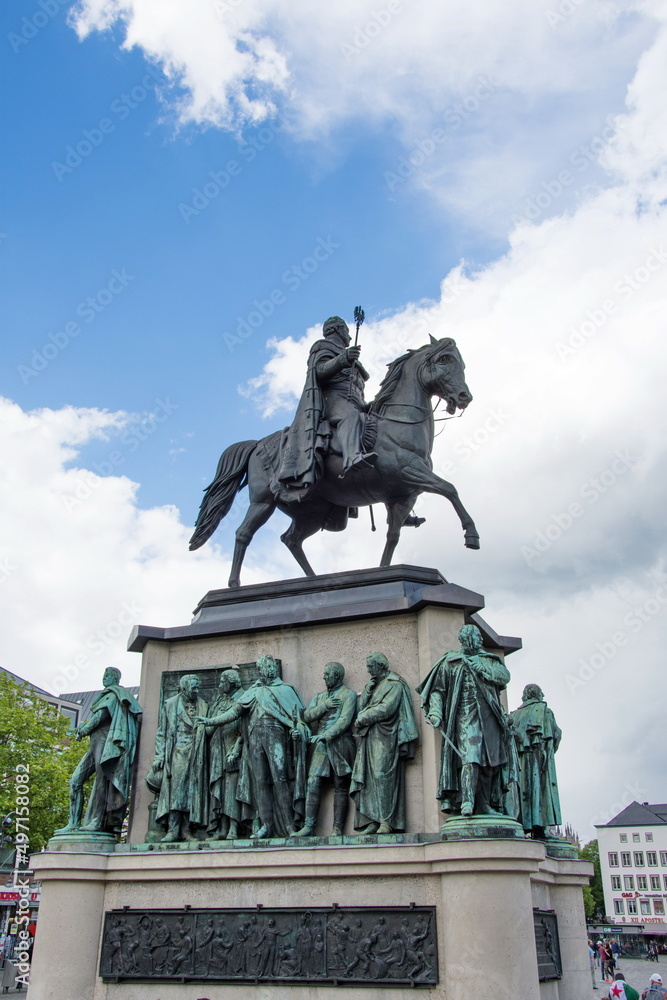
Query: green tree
point(593, 893)
point(35, 735)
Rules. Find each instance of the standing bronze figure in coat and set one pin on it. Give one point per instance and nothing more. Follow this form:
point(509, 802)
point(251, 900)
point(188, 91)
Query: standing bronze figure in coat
point(224, 753)
point(334, 748)
point(538, 738)
point(461, 698)
point(388, 732)
point(182, 801)
point(113, 728)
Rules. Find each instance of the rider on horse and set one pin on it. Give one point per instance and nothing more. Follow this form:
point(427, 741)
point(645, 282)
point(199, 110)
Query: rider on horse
point(334, 392)
point(293, 480)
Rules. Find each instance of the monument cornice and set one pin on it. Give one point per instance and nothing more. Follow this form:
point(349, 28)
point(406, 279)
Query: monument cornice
point(350, 861)
point(333, 597)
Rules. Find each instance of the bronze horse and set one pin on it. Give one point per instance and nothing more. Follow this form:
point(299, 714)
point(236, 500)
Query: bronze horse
point(403, 469)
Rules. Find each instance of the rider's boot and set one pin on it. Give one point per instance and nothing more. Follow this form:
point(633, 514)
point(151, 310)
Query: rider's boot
point(366, 458)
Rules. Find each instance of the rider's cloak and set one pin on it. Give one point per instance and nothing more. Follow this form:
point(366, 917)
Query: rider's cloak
point(305, 441)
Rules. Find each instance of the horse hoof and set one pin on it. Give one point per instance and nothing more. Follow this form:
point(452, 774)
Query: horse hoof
point(234, 582)
point(472, 541)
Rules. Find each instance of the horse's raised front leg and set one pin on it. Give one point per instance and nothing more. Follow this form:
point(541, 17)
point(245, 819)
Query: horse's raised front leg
point(296, 534)
point(419, 475)
point(258, 514)
point(397, 511)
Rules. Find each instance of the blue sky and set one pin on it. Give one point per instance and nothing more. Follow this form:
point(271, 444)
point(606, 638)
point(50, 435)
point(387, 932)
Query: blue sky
point(128, 205)
point(496, 173)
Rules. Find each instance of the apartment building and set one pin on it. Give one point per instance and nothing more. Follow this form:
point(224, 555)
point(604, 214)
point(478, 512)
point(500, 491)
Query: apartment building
point(633, 864)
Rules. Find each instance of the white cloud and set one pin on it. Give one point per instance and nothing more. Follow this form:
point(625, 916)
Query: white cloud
point(510, 90)
point(346, 59)
point(561, 457)
point(80, 561)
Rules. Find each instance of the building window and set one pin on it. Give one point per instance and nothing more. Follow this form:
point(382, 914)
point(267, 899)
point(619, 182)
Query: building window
point(616, 882)
point(632, 907)
point(645, 906)
point(618, 906)
point(659, 907)
point(625, 859)
point(648, 837)
point(651, 859)
point(629, 882)
point(655, 882)
point(664, 882)
point(613, 859)
point(639, 859)
point(635, 838)
point(663, 858)
point(623, 837)
point(642, 884)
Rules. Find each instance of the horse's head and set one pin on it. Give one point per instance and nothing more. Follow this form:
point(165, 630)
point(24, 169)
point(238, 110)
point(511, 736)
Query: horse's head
point(441, 373)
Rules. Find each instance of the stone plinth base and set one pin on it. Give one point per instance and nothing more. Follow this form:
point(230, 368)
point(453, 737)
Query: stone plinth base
point(560, 849)
point(82, 840)
point(483, 892)
point(484, 827)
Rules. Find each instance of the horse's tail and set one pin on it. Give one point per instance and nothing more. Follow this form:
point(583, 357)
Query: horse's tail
point(230, 477)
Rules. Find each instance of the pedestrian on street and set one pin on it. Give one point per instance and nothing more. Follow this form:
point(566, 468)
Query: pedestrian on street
point(603, 959)
point(620, 990)
point(654, 990)
point(591, 961)
point(610, 963)
point(616, 948)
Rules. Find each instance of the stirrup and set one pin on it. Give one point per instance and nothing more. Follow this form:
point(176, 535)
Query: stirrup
point(412, 521)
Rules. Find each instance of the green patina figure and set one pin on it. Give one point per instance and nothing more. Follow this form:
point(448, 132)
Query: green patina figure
point(272, 777)
point(334, 391)
point(334, 748)
point(388, 732)
point(538, 738)
point(113, 729)
point(461, 698)
point(224, 754)
point(178, 768)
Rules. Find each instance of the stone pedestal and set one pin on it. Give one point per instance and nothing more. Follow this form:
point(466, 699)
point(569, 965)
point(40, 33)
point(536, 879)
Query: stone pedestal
point(483, 890)
point(409, 613)
point(483, 893)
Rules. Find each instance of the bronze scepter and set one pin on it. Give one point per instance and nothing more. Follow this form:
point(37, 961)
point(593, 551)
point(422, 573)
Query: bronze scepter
point(359, 316)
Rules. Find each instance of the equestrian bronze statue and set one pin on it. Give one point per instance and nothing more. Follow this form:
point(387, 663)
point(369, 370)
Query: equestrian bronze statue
point(341, 453)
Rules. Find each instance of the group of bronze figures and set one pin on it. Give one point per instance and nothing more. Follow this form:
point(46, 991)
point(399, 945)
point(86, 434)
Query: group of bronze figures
point(492, 763)
point(239, 767)
point(391, 945)
point(253, 762)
